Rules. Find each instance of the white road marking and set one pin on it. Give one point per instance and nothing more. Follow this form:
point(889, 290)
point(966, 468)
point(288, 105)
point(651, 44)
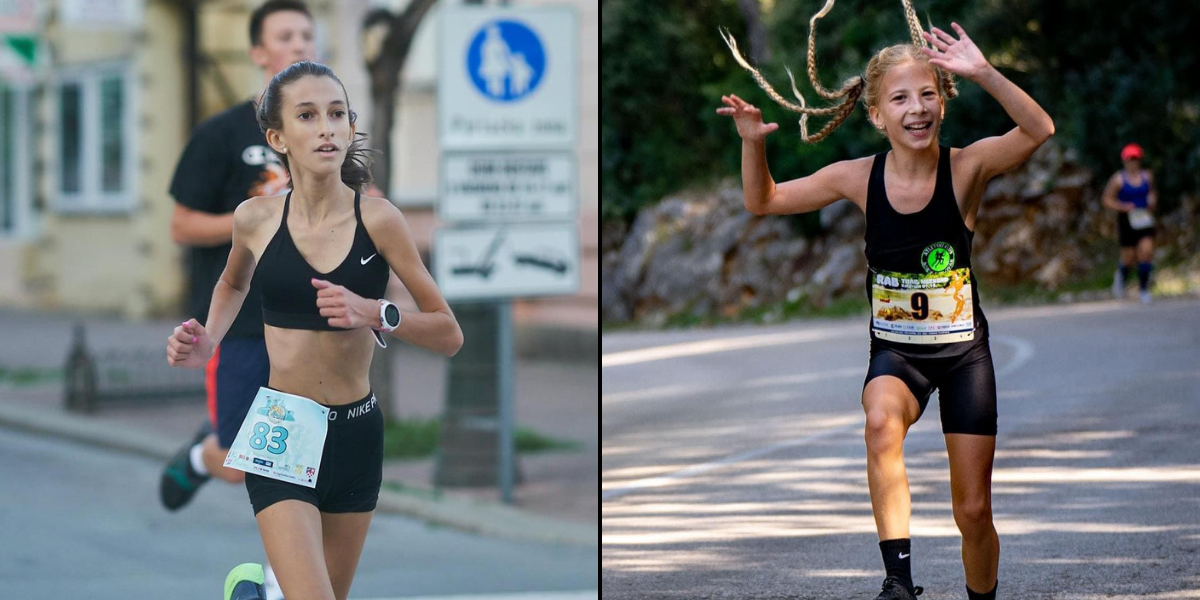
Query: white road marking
point(1023, 352)
point(673, 391)
point(630, 357)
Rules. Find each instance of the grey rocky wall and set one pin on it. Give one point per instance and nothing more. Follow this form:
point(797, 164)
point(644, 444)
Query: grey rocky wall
point(703, 254)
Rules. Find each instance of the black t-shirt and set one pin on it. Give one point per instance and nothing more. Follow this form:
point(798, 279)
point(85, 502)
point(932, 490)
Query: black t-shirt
point(226, 161)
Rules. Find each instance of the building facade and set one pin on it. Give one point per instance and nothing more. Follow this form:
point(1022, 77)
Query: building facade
point(96, 103)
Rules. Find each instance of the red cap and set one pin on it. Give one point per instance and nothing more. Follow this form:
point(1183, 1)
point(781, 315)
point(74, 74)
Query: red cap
point(1131, 152)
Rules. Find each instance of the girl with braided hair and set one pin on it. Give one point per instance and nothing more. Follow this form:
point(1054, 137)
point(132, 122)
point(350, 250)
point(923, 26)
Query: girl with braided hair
point(920, 200)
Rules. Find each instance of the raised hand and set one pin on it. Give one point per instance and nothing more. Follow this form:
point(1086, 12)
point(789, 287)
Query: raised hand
point(959, 56)
point(747, 118)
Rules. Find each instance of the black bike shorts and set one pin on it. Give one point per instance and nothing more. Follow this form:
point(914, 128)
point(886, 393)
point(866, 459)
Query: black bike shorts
point(351, 465)
point(966, 384)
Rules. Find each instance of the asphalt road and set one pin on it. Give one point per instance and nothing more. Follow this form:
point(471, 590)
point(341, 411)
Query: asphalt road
point(734, 465)
point(80, 522)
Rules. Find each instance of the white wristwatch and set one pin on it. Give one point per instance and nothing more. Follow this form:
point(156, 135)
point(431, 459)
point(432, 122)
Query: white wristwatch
point(389, 320)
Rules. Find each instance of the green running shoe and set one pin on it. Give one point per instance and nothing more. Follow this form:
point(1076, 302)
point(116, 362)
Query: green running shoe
point(179, 480)
point(245, 582)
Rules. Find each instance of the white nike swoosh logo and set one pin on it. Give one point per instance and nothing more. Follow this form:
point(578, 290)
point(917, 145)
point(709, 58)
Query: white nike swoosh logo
point(368, 259)
point(903, 555)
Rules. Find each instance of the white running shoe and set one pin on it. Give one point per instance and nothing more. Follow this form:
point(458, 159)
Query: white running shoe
point(1146, 297)
point(271, 584)
point(1118, 288)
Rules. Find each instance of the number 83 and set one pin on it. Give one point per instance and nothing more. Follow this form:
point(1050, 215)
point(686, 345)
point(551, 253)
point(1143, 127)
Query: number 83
point(258, 441)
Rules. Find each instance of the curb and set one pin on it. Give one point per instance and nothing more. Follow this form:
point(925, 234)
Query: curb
point(557, 343)
point(430, 506)
point(488, 519)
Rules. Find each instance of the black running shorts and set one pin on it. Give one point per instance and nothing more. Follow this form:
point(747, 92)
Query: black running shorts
point(966, 384)
point(351, 466)
point(1127, 236)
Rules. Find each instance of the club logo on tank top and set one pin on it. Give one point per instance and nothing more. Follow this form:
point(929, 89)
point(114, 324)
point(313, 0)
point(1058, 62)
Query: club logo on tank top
point(934, 307)
point(938, 257)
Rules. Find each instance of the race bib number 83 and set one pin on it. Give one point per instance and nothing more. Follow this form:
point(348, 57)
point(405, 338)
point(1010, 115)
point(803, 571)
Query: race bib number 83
point(283, 437)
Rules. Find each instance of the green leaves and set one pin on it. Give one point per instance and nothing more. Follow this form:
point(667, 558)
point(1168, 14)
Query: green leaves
point(1109, 72)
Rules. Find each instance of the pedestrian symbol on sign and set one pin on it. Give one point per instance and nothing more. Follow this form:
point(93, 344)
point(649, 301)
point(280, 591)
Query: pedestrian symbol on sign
point(506, 60)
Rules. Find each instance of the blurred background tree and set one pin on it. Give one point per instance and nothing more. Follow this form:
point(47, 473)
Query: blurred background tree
point(1109, 72)
point(1114, 73)
point(655, 138)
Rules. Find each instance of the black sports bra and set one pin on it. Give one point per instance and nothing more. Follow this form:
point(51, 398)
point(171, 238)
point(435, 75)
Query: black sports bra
point(289, 299)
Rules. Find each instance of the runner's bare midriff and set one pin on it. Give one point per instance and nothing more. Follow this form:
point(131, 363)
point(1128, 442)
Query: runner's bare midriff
point(330, 367)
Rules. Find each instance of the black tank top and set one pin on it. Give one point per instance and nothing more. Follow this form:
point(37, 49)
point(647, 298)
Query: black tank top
point(289, 299)
point(919, 266)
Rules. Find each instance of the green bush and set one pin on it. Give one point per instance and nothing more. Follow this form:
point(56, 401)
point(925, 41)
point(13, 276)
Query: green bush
point(418, 438)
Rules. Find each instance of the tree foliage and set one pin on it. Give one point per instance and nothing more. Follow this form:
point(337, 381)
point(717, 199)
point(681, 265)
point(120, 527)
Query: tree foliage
point(1108, 72)
point(1112, 73)
point(656, 137)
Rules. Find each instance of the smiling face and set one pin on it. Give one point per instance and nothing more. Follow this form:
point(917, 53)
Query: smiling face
point(909, 108)
point(316, 127)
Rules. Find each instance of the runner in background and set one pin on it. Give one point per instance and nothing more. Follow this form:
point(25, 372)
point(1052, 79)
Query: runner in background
point(1130, 192)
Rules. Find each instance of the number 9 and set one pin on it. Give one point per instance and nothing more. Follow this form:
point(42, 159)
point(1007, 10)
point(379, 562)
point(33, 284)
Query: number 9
point(920, 306)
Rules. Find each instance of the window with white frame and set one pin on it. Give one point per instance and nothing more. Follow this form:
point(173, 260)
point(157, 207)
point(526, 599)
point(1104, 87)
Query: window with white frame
point(15, 164)
point(95, 116)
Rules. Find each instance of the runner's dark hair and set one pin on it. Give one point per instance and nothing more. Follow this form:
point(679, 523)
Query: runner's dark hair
point(261, 13)
point(356, 169)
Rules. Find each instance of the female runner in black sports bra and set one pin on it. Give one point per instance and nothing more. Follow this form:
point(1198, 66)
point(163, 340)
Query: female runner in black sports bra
point(321, 256)
point(927, 329)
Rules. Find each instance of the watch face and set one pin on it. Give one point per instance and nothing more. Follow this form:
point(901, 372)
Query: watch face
point(392, 314)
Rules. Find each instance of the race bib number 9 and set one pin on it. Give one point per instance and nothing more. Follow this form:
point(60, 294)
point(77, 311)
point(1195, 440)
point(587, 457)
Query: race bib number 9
point(930, 308)
point(283, 437)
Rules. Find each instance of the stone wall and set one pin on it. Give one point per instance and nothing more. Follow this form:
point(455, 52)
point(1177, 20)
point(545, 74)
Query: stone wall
point(703, 254)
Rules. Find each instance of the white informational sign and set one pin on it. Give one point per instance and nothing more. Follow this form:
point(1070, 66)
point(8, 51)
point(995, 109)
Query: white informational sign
point(101, 14)
point(507, 78)
point(499, 186)
point(506, 261)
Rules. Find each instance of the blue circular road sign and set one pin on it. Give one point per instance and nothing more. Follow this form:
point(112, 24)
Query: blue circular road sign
point(506, 60)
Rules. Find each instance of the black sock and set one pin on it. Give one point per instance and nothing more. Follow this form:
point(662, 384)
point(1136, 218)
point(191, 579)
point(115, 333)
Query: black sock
point(1143, 275)
point(1124, 272)
point(896, 560)
point(988, 596)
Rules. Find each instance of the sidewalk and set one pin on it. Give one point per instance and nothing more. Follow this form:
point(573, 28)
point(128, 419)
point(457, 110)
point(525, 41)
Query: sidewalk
point(558, 502)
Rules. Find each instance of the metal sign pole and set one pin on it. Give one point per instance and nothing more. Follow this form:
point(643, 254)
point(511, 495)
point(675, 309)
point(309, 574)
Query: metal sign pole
point(504, 385)
point(507, 132)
